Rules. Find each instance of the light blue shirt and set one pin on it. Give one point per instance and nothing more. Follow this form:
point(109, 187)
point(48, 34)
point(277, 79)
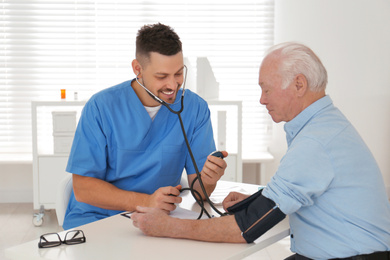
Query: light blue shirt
point(117, 141)
point(331, 187)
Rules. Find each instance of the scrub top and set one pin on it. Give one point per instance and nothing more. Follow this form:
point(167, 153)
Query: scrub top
point(117, 141)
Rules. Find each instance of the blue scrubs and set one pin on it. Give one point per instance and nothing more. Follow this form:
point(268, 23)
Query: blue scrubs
point(116, 141)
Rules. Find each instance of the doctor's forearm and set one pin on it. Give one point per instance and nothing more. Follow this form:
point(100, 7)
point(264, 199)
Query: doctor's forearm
point(209, 188)
point(102, 194)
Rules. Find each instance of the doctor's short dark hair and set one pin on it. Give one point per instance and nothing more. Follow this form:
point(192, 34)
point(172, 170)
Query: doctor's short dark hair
point(158, 38)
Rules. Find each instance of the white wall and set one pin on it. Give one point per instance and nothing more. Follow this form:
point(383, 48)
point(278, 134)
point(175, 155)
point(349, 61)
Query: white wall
point(16, 183)
point(352, 38)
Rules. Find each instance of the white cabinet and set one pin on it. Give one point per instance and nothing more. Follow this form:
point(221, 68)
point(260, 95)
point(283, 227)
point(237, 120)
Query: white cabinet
point(51, 170)
point(49, 162)
point(226, 118)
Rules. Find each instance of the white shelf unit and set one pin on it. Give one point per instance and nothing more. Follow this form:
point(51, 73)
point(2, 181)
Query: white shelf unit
point(48, 166)
point(226, 118)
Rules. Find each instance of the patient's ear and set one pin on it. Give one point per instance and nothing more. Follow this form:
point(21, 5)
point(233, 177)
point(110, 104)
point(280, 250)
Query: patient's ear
point(300, 84)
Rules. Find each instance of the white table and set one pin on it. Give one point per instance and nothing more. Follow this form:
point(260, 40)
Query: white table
point(117, 238)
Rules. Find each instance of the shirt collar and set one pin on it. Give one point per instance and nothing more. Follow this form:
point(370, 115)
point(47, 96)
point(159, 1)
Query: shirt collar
point(293, 127)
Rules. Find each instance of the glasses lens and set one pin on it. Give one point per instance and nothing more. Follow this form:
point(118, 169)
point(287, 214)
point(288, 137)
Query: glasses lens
point(49, 240)
point(74, 237)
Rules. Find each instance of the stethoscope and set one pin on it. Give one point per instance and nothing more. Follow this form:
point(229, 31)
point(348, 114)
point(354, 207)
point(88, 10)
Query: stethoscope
point(195, 193)
point(162, 102)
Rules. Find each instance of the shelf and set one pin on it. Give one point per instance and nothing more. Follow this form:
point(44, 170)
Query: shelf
point(59, 103)
point(261, 157)
point(48, 167)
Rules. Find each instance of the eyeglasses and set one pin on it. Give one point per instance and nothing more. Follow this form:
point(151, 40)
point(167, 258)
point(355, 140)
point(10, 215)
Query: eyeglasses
point(72, 237)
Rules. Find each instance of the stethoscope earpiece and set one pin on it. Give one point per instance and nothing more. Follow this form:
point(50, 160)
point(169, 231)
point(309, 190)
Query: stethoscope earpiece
point(162, 102)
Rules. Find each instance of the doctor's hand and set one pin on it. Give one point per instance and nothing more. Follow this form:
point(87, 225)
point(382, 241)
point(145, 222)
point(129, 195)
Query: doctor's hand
point(213, 169)
point(151, 221)
point(165, 198)
point(233, 198)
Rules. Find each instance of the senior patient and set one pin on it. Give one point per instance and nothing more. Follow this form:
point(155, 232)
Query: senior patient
point(328, 181)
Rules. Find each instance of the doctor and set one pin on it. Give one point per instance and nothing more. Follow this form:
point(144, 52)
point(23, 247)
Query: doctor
point(128, 150)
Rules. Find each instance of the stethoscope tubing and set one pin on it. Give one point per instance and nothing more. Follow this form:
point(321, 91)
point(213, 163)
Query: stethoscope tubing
point(195, 193)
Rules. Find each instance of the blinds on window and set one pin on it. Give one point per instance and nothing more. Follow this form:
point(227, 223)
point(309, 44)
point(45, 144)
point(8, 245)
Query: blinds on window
point(84, 46)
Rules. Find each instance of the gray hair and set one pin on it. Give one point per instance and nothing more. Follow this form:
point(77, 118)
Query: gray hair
point(296, 58)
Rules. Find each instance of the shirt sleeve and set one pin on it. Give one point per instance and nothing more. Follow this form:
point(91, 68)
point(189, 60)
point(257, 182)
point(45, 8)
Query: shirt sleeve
point(305, 172)
point(88, 154)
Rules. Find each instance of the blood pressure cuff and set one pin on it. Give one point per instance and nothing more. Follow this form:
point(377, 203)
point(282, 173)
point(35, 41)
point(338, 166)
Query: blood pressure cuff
point(256, 215)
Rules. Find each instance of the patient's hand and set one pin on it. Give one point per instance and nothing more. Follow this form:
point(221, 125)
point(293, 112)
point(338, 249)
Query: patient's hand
point(233, 198)
point(151, 221)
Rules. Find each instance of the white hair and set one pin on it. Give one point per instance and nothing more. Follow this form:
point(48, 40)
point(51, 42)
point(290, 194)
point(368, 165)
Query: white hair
point(296, 58)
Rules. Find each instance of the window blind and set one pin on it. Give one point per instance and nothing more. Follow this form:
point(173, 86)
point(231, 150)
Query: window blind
point(85, 46)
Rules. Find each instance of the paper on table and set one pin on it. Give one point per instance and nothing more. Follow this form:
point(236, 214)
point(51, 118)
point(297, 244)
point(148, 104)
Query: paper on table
point(185, 214)
point(220, 194)
point(177, 213)
point(216, 197)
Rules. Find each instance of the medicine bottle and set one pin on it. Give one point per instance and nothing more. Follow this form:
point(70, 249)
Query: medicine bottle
point(63, 93)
